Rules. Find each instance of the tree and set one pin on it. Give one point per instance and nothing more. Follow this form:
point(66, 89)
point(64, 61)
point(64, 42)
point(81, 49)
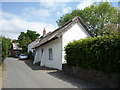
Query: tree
point(25, 38)
point(100, 19)
point(5, 45)
point(32, 35)
point(15, 41)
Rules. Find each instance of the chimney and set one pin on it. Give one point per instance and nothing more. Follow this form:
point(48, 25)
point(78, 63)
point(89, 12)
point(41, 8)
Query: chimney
point(44, 32)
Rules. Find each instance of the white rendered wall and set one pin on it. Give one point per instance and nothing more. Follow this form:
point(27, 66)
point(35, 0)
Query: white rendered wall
point(76, 32)
point(37, 58)
point(30, 46)
point(56, 46)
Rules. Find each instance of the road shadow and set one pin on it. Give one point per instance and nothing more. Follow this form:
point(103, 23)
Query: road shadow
point(80, 83)
point(85, 85)
point(36, 66)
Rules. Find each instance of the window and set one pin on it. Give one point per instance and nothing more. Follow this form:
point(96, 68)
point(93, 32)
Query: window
point(41, 52)
point(50, 54)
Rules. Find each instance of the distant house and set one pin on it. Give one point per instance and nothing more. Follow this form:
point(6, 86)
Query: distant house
point(31, 51)
point(30, 46)
point(15, 49)
point(50, 49)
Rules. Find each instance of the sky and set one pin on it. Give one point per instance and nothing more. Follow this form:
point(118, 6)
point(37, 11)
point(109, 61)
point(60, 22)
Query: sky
point(18, 16)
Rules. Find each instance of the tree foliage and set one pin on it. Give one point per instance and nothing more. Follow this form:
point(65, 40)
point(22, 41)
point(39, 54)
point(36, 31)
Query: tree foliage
point(15, 41)
point(95, 53)
point(32, 35)
point(25, 38)
point(101, 19)
point(5, 45)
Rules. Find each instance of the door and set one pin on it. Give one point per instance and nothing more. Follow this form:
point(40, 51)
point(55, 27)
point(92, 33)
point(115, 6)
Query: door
point(42, 58)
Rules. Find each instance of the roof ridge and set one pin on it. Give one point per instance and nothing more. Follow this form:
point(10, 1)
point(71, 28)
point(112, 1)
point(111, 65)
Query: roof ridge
point(75, 18)
point(60, 30)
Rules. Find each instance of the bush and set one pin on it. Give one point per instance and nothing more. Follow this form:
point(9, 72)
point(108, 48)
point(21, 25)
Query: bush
point(98, 53)
point(5, 44)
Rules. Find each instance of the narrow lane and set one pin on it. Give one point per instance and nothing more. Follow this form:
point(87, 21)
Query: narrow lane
point(20, 75)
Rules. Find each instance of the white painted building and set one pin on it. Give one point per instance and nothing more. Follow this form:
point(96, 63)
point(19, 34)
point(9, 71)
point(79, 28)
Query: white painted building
point(50, 50)
point(31, 45)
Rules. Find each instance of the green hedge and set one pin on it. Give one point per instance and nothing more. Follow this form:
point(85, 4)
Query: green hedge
point(5, 45)
point(98, 53)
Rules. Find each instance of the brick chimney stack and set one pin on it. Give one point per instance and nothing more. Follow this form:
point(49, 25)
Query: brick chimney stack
point(44, 32)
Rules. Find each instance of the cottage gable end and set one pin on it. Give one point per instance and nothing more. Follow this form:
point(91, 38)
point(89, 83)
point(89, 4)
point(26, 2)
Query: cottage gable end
point(61, 30)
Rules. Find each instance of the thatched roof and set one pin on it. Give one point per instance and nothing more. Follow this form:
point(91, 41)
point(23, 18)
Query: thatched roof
point(60, 31)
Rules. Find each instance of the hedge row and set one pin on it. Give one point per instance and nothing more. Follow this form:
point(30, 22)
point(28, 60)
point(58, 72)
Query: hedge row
point(98, 53)
point(5, 44)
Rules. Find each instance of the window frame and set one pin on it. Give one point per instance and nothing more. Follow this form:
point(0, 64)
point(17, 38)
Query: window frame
point(42, 51)
point(50, 51)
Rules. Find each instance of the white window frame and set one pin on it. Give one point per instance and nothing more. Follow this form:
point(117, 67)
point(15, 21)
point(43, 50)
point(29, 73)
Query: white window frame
point(50, 51)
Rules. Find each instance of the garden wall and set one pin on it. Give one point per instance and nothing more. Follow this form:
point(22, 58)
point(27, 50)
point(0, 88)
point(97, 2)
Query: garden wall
point(95, 59)
point(103, 79)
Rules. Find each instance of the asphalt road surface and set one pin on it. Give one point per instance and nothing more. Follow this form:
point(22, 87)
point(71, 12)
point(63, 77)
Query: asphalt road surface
point(23, 75)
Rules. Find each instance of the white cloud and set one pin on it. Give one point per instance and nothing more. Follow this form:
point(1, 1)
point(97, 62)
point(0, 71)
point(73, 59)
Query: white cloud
point(52, 0)
point(59, 13)
point(14, 25)
point(59, 6)
point(64, 11)
point(84, 4)
point(105, 0)
point(53, 5)
point(33, 12)
point(48, 4)
point(0, 13)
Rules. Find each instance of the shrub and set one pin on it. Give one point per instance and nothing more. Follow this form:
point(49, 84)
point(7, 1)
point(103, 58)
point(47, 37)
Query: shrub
point(96, 53)
point(5, 44)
